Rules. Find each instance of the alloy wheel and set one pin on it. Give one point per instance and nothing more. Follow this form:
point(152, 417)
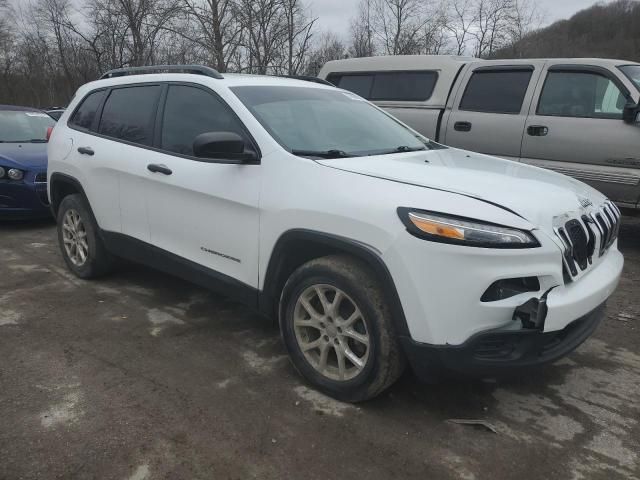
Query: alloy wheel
point(331, 332)
point(74, 238)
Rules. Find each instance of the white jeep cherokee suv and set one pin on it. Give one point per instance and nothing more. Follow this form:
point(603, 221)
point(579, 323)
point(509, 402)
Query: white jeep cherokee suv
point(372, 245)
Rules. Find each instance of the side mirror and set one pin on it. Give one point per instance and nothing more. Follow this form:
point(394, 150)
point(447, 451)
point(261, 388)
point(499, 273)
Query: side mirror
point(631, 113)
point(225, 146)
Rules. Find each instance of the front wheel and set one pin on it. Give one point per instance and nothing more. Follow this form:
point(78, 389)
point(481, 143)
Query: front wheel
point(338, 330)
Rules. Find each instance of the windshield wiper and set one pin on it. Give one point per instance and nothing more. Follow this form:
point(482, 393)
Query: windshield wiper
point(400, 149)
point(321, 153)
point(404, 148)
point(37, 140)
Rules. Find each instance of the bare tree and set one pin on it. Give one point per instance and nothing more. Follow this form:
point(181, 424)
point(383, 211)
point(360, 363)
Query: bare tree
point(298, 34)
point(398, 25)
point(492, 20)
point(460, 23)
point(361, 31)
point(330, 47)
point(215, 28)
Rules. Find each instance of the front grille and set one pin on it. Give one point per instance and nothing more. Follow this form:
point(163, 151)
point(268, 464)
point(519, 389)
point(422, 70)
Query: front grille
point(588, 237)
point(41, 177)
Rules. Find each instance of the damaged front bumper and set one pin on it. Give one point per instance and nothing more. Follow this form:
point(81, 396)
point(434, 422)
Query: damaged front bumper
point(498, 352)
point(542, 330)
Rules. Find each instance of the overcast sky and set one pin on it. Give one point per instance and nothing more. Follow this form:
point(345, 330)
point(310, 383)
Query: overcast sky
point(336, 14)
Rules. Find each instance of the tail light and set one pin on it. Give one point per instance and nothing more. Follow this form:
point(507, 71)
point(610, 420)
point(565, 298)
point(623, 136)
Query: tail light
point(49, 132)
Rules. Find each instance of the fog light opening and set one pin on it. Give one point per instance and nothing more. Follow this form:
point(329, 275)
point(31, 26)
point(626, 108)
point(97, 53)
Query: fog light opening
point(510, 287)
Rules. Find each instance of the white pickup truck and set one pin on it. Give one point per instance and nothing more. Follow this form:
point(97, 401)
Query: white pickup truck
point(579, 117)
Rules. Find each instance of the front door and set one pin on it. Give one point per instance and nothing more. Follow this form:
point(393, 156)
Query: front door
point(204, 212)
point(575, 127)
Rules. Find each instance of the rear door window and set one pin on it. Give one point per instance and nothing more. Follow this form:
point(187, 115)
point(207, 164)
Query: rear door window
point(129, 114)
point(388, 86)
point(84, 116)
point(496, 91)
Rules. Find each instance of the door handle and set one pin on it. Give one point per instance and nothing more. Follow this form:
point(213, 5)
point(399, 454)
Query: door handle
point(157, 168)
point(86, 151)
point(537, 130)
point(462, 126)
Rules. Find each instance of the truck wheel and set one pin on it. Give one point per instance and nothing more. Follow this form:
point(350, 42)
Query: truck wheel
point(338, 329)
point(82, 249)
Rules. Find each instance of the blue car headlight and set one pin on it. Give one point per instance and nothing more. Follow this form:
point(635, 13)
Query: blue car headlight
point(15, 174)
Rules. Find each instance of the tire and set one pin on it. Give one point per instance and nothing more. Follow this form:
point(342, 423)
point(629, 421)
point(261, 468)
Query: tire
point(77, 227)
point(378, 362)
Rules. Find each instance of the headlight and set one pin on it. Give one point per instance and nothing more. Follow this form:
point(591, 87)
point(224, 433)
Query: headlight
point(15, 174)
point(438, 227)
point(2, 172)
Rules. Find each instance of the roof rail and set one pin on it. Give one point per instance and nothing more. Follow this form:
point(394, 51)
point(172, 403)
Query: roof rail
point(308, 78)
point(196, 69)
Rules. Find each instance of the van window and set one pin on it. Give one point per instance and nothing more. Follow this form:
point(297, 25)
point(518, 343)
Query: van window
point(129, 114)
point(191, 111)
point(388, 86)
point(581, 94)
point(85, 114)
point(498, 91)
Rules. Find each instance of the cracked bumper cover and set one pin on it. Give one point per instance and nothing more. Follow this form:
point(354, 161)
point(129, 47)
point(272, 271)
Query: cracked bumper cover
point(501, 351)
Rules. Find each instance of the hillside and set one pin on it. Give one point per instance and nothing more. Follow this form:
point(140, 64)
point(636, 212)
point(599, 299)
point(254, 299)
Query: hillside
point(606, 31)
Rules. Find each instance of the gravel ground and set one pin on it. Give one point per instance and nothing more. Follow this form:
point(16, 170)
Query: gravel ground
point(143, 376)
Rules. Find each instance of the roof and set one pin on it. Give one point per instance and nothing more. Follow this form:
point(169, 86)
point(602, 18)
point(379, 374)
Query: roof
point(228, 80)
point(16, 108)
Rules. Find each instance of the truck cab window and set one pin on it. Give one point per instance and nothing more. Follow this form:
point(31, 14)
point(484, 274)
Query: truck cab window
point(498, 91)
point(581, 94)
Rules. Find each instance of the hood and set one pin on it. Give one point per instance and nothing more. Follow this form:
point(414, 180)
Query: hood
point(533, 193)
point(23, 155)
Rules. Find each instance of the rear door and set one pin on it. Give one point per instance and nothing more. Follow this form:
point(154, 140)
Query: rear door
point(575, 127)
point(489, 113)
point(91, 157)
point(127, 126)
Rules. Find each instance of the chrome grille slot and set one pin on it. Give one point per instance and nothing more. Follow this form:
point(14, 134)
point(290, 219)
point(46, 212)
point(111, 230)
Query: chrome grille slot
point(591, 238)
point(587, 237)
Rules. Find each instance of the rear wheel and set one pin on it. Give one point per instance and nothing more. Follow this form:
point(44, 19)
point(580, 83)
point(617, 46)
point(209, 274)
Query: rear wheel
point(81, 247)
point(338, 329)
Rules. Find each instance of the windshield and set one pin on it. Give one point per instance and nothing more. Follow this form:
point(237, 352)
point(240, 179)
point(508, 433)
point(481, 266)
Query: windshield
point(327, 123)
point(22, 127)
point(633, 72)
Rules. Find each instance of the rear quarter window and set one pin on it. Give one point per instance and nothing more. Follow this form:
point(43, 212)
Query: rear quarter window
point(85, 114)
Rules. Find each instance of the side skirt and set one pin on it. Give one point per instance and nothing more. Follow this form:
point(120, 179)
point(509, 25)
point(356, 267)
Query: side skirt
point(141, 252)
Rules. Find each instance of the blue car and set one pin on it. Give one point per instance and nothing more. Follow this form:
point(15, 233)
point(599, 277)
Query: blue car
point(23, 162)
